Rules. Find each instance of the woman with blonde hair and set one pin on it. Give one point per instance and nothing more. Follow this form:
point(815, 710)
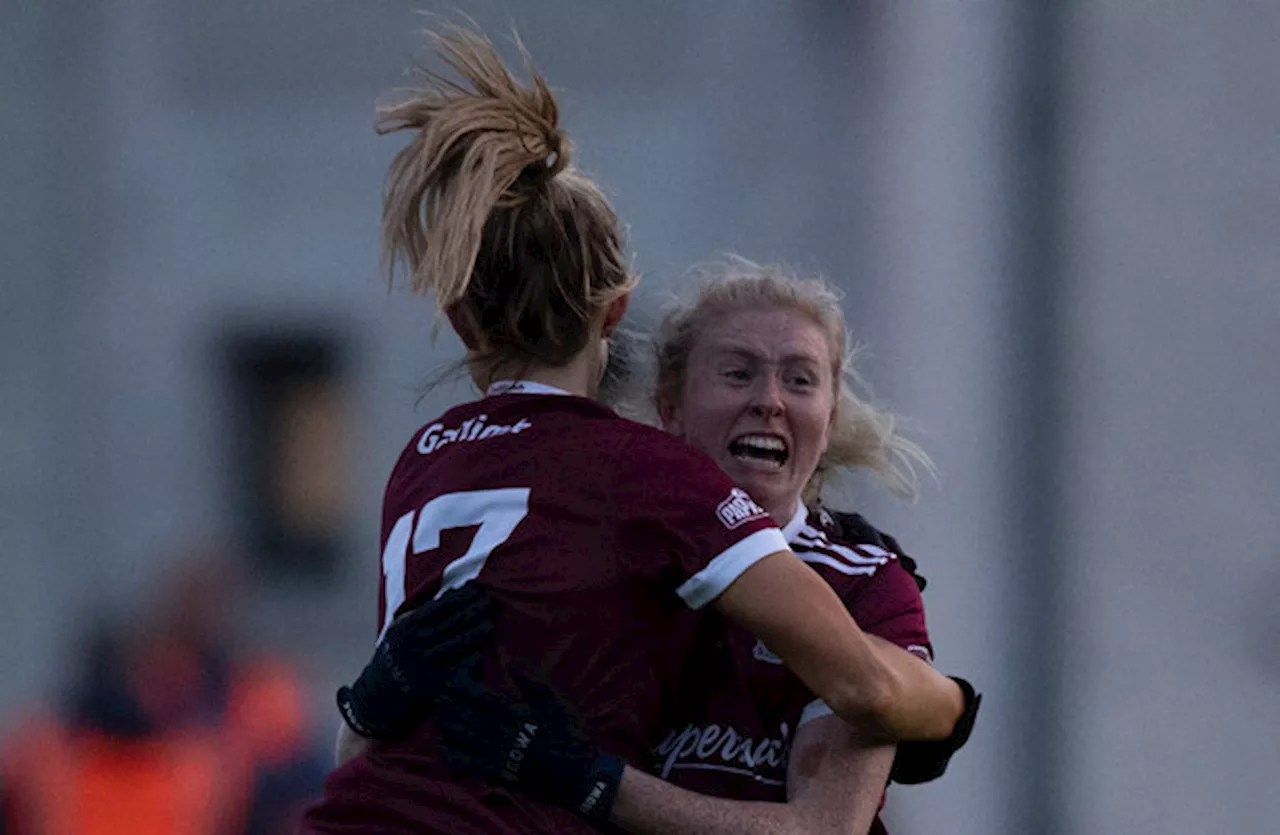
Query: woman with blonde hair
point(593, 537)
point(754, 369)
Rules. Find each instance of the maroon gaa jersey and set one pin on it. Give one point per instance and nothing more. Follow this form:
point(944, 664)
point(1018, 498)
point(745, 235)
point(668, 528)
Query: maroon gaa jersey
point(741, 707)
point(594, 536)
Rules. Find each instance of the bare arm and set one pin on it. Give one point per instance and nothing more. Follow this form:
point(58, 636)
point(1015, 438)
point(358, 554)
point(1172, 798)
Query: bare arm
point(875, 686)
point(836, 777)
point(834, 782)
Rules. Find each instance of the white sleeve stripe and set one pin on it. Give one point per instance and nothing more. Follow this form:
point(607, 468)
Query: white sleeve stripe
point(920, 651)
point(842, 567)
point(710, 582)
point(814, 710)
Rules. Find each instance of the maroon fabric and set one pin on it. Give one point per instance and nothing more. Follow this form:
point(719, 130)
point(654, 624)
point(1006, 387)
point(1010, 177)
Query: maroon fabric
point(620, 521)
point(742, 707)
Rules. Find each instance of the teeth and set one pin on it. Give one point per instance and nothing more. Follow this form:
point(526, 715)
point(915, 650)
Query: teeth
point(766, 442)
point(760, 450)
point(757, 461)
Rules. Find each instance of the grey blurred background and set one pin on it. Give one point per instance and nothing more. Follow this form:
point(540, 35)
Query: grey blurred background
point(1058, 226)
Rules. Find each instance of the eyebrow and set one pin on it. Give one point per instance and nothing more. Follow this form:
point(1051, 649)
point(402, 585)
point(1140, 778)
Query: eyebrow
point(746, 353)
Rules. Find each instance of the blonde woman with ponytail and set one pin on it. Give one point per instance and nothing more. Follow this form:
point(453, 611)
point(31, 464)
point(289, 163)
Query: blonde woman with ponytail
point(753, 367)
point(580, 544)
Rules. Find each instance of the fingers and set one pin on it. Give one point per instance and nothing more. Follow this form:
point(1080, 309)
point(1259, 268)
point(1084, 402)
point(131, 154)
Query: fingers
point(463, 761)
point(453, 649)
point(456, 608)
point(458, 623)
point(467, 603)
point(436, 623)
point(467, 699)
point(541, 695)
point(476, 726)
point(471, 598)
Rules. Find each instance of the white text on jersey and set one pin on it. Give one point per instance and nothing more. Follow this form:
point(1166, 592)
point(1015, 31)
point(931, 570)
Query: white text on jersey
point(721, 748)
point(472, 429)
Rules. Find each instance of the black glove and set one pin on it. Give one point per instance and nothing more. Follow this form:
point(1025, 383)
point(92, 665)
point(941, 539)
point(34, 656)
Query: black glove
point(919, 762)
point(419, 653)
point(534, 741)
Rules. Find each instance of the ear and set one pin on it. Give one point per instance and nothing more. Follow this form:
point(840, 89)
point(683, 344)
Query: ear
point(464, 325)
point(613, 314)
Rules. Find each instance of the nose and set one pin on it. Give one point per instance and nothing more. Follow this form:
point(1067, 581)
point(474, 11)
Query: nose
point(766, 398)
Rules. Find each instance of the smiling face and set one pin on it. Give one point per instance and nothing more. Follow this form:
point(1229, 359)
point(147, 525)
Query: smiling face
point(758, 396)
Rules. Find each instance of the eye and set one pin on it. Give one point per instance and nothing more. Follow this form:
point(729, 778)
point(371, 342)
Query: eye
point(736, 375)
point(801, 379)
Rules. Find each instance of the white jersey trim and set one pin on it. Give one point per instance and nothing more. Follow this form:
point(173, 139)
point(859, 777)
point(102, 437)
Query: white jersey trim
point(522, 387)
point(710, 582)
point(814, 710)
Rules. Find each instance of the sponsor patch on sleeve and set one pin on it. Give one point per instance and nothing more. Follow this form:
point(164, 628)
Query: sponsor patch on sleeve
point(739, 509)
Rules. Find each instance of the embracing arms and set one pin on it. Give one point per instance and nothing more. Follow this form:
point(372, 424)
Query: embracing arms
point(870, 683)
point(535, 741)
point(835, 780)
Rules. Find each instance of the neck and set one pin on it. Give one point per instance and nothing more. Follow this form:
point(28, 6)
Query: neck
point(577, 377)
point(782, 512)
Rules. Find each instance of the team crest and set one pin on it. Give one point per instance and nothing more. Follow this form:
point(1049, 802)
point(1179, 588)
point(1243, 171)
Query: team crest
point(739, 509)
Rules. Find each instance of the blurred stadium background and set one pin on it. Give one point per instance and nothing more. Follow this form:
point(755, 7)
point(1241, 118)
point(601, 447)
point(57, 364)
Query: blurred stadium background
point(1056, 224)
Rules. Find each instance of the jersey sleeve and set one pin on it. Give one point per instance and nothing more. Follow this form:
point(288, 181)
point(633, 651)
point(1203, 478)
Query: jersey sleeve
point(888, 605)
point(706, 528)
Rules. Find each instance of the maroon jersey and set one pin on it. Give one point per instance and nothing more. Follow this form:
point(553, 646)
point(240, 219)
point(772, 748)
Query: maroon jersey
point(594, 536)
point(742, 707)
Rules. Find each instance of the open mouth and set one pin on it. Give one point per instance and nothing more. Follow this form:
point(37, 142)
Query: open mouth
point(761, 450)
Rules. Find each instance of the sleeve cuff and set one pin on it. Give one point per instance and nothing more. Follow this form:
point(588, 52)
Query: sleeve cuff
point(710, 582)
point(814, 710)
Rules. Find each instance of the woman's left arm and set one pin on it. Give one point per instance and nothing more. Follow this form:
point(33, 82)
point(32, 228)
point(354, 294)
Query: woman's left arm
point(834, 784)
point(537, 742)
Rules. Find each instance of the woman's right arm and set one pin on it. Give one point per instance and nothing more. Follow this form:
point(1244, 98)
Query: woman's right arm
point(870, 683)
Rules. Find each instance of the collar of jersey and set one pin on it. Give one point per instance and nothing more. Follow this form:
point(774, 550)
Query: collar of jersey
point(797, 521)
point(522, 387)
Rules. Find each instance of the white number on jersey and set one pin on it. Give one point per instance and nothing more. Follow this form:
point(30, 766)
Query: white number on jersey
point(497, 512)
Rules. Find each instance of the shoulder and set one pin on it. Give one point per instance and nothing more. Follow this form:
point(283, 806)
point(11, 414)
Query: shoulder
point(844, 542)
point(855, 531)
point(868, 571)
point(651, 453)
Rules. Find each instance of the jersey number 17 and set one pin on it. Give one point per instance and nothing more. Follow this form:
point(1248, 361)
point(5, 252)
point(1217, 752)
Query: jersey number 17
point(495, 512)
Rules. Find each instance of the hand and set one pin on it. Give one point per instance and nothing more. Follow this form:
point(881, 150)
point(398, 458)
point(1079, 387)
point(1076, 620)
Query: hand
point(420, 652)
point(920, 762)
point(534, 741)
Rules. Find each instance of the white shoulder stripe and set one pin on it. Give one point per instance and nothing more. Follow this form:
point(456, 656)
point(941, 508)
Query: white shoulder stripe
point(858, 554)
point(811, 544)
point(810, 533)
point(875, 551)
point(839, 565)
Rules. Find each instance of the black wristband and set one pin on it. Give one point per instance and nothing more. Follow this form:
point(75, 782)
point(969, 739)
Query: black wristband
point(919, 761)
point(964, 725)
point(602, 788)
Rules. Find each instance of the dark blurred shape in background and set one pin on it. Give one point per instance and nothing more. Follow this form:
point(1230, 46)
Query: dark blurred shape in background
point(290, 433)
point(167, 728)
